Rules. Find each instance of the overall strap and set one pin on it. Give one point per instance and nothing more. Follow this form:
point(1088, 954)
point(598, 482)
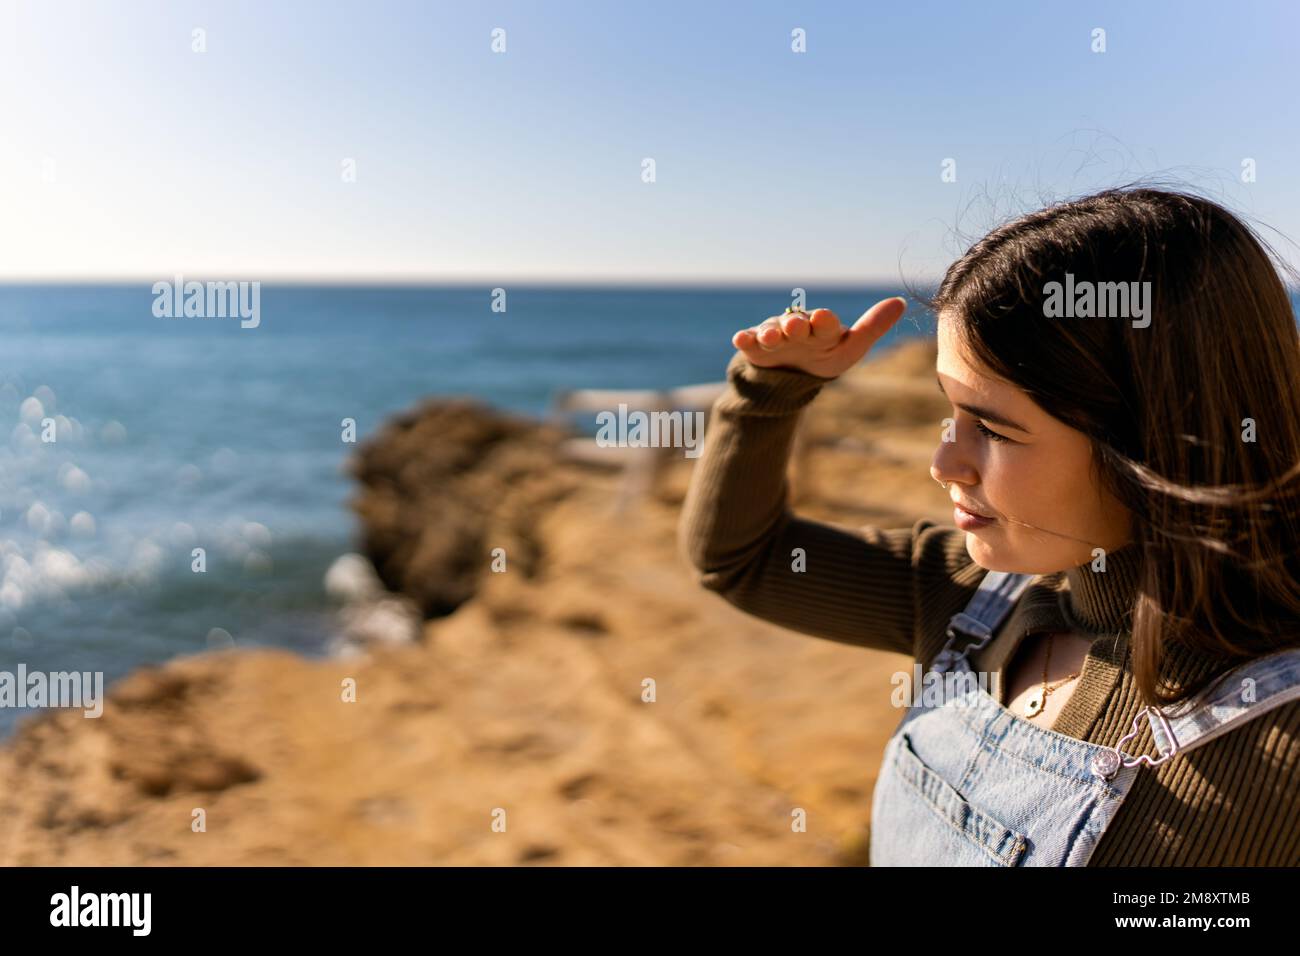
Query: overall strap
point(990, 605)
point(1225, 705)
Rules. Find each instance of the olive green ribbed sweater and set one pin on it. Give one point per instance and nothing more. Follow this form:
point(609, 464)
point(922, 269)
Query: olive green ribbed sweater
point(1234, 801)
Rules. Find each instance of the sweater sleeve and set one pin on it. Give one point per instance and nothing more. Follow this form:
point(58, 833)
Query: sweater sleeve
point(853, 585)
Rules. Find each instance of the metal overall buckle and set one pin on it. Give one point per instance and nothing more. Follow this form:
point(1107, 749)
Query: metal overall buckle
point(1107, 763)
point(968, 627)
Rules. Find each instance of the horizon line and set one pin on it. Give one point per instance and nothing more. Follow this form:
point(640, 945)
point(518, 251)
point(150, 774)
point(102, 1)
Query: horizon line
point(416, 281)
point(825, 284)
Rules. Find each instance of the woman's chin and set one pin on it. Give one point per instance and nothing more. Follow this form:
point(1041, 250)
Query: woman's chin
point(992, 554)
point(981, 550)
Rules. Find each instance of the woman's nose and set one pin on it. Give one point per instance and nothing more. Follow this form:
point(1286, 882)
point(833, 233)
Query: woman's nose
point(947, 465)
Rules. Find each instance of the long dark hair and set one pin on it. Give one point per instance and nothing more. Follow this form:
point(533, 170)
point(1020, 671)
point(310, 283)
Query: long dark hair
point(1216, 514)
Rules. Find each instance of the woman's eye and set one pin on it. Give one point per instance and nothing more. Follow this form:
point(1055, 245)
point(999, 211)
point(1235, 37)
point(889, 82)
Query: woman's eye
point(991, 434)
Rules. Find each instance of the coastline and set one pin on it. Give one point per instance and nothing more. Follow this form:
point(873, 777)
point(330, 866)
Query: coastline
point(524, 692)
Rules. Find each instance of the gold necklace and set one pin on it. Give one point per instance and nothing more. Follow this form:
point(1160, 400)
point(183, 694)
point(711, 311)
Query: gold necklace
point(1038, 699)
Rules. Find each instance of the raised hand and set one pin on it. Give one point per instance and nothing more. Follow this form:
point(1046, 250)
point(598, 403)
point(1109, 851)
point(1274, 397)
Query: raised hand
point(816, 342)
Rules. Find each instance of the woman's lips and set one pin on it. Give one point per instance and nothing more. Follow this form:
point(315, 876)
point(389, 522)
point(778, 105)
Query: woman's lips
point(968, 520)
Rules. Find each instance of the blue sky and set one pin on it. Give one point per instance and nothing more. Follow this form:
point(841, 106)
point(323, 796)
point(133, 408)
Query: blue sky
point(127, 155)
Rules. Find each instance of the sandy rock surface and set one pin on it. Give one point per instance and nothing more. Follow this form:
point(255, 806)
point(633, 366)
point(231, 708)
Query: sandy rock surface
point(523, 700)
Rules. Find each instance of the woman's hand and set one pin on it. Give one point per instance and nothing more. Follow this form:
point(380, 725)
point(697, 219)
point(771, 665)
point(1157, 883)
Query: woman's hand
point(816, 342)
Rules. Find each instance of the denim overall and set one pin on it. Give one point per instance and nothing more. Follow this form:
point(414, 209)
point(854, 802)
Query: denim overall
point(966, 782)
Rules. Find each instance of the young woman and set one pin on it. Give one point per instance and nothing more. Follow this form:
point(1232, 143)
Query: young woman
point(1123, 456)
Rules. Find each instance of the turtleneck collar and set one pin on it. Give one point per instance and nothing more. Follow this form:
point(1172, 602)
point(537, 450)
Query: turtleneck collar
point(1101, 602)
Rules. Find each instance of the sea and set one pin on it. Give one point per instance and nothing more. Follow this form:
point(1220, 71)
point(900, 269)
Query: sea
point(128, 439)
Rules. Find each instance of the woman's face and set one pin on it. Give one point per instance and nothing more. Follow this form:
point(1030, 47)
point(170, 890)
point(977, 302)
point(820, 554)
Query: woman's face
point(1048, 511)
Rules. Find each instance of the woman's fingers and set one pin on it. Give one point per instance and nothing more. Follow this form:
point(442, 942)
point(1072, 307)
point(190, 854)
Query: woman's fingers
point(825, 325)
point(770, 335)
point(775, 332)
point(788, 329)
point(763, 337)
point(817, 342)
point(878, 320)
point(745, 340)
point(796, 327)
